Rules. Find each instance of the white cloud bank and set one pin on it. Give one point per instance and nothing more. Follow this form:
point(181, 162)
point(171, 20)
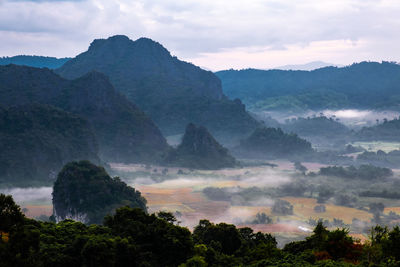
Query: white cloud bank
point(214, 34)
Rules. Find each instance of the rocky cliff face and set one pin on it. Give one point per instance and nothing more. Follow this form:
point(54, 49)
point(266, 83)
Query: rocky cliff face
point(37, 140)
point(173, 93)
point(86, 193)
point(124, 133)
point(200, 150)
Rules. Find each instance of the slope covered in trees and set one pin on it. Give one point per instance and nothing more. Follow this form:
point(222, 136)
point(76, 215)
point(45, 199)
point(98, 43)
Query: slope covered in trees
point(134, 238)
point(361, 85)
point(34, 61)
point(37, 140)
point(387, 131)
point(321, 131)
point(199, 150)
point(322, 127)
point(272, 143)
point(124, 133)
point(173, 93)
point(86, 193)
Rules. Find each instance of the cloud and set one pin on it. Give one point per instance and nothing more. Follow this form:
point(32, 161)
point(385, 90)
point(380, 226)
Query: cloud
point(287, 31)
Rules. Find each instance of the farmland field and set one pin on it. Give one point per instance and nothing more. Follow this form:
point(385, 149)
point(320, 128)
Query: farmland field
point(180, 191)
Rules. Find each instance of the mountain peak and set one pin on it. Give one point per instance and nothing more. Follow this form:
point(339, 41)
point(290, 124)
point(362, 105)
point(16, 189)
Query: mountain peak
point(122, 43)
point(116, 41)
point(200, 150)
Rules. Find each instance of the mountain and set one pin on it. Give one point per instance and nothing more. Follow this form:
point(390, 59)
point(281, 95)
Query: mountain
point(37, 140)
point(172, 92)
point(308, 66)
point(272, 143)
point(199, 150)
point(319, 130)
point(124, 133)
point(85, 192)
point(34, 61)
point(366, 85)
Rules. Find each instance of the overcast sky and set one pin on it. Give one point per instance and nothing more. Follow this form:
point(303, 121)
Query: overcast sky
point(216, 34)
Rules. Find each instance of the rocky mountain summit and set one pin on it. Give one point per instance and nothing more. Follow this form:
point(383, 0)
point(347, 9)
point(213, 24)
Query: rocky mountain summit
point(199, 150)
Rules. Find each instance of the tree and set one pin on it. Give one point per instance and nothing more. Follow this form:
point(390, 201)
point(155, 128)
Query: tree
point(300, 167)
point(10, 213)
point(376, 209)
point(282, 207)
point(168, 216)
point(224, 236)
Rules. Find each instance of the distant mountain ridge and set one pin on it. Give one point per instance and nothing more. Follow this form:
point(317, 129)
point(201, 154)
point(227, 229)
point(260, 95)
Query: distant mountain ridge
point(307, 66)
point(124, 133)
point(172, 92)
point(370, 85)
point(34, 61)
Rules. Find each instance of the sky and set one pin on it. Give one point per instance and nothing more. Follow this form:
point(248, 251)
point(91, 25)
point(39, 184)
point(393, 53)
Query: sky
point(214, 34)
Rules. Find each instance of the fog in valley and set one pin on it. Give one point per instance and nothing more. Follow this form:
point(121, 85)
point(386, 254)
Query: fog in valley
point(352, 118)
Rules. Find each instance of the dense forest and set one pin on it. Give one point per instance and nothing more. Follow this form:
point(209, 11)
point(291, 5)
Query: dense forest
point(123, 132)
point(36, 141)
point(361, 85)
point(130, 237)
point(388, 130)
point(273, 143)
point(85, 192)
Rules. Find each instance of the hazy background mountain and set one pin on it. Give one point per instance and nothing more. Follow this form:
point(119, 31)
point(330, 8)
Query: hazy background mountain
point(124, 133)
point(34, 61)
point(272, 143)
point(172, 92)
point(36, 141)
point(367, 85)
point(308, 66)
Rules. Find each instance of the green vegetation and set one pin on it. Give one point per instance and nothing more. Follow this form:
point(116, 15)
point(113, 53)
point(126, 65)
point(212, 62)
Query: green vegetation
point(133, 238)
point(361, 85)
point(123, 132)
point(273, 143)
point(36, 141)
point(199, 150)
point(386, 131)
point(173, 93)
point(318, 100)
point(364, 172)
point(34, 61)
point(321, 127)
point(381, 158)
point(85, 192)
point(282, 207)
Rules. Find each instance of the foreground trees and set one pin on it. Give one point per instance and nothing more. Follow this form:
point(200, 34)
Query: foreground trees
point(133, 238)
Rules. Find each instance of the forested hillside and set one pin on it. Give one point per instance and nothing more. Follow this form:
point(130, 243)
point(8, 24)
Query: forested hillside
point(85, 192)
point(273, 143)
point(389, 130)
point(172, 92)
point(37, 140)
point(124, 133)
point(361, 85)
